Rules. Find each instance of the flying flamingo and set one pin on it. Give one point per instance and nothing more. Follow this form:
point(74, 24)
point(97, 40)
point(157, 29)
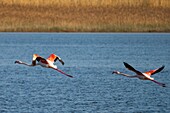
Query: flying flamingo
point(140, 75)
point(47, 63)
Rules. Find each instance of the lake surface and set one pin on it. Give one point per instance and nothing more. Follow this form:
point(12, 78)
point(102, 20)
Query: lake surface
point(90, 58)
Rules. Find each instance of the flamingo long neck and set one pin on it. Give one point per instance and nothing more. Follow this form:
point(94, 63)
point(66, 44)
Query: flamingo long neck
point(127, 75)
point(27, 64)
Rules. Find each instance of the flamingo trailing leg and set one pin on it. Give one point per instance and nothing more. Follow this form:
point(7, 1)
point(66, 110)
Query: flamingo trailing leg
point(47, 63)
point(140, 75)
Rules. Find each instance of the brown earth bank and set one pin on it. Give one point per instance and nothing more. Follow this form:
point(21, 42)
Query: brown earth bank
point(27, 18)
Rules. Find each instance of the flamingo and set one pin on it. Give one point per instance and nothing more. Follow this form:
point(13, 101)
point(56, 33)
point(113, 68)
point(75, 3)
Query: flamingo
point(47, 63)
point(140, 75)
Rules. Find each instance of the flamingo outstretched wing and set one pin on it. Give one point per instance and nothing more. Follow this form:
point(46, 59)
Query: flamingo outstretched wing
point(38, 58)
point(152, 72)
point(53, 58)
point(132, 69)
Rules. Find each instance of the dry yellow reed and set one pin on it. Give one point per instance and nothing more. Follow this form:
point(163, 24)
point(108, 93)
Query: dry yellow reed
point(152, 3)
point(85, 15)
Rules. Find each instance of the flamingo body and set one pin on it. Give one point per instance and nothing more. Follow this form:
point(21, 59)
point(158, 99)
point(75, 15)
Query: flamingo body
point(46, 64)
point(144, 76)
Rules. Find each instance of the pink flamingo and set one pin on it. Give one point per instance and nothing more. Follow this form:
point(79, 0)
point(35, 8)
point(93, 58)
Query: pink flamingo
point(140, 75)
point(47, 63)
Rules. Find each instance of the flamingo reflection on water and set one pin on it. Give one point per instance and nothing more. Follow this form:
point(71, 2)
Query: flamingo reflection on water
point(140, 75)
point(47, 63)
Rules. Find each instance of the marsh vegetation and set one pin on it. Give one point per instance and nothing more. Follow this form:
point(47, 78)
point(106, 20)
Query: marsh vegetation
point(85, 15)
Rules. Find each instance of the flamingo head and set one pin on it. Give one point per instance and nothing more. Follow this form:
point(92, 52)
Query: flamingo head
point(18, 62)
point(116, 72)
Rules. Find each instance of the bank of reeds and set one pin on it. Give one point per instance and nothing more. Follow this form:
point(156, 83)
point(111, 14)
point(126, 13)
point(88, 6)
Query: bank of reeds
point(85, 15)
point(98, 3)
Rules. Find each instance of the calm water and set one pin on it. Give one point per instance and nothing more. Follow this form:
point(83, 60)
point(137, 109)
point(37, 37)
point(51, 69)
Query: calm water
point(90, 58)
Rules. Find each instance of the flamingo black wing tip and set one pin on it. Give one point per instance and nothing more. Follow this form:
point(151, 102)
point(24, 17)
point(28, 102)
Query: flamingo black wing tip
point(163, 66)
point(126, 64)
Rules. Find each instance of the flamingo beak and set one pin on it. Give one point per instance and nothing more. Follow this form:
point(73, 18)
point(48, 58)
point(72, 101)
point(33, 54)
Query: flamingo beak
point(113, 72)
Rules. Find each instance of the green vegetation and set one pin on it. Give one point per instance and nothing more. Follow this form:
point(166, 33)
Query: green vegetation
point(85, 15)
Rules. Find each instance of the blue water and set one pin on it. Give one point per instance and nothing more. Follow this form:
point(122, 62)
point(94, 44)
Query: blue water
point(90, 58)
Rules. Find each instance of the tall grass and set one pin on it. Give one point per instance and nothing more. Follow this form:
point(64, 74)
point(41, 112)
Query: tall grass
point(85, 15)
point(75, 3)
